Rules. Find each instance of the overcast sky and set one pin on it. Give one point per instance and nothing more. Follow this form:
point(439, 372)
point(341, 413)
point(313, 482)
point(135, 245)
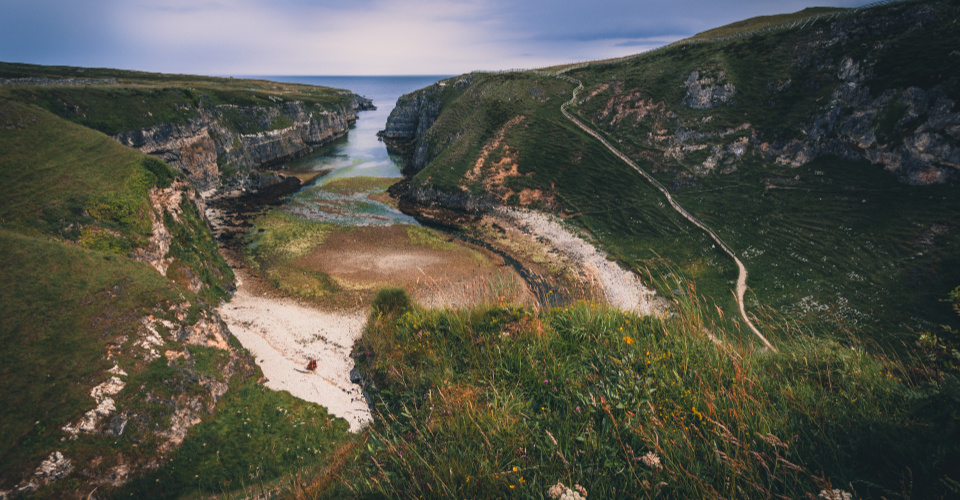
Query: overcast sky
point(355, 37)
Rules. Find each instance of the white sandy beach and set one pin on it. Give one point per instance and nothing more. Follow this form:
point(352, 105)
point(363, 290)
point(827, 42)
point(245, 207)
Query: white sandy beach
point(284, 336)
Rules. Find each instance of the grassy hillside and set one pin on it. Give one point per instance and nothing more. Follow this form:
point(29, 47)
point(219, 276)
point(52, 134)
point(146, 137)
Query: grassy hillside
point(115, 101)
point(502, 401)
point(835, 240)
point(81, 313)
point(580, 178)
point(833, 245)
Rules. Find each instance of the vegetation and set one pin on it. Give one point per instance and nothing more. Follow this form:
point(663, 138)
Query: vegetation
point(132, 100)
point(76, 210)
point(256, 440)
point(277, 240)
point(502, 401)
point(836, 245)
point(61, 305)
point(762, 22)
point(848, 267)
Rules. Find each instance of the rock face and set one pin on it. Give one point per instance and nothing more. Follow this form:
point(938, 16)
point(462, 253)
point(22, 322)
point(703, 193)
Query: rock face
point(707, 92)
point(409, 121)
point(850, 127)
point(226, 144)
point(852, 92)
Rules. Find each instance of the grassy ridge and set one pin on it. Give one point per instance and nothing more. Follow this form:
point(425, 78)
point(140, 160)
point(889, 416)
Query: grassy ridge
point(501, 401)
point(76, 206)
point(61, 306)
point(58, 175)
point(257, 440)
point(138, 100)
point(71, 182)
point(835, 245)
point(612, 202)
point(761, 22)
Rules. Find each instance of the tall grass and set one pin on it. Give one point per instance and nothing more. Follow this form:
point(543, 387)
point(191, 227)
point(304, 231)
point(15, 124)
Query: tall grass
point(500, 401)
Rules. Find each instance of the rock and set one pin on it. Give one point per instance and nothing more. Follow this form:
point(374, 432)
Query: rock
point(705, 93)
point(117, 425)
point(409, 121)
point(202, 144)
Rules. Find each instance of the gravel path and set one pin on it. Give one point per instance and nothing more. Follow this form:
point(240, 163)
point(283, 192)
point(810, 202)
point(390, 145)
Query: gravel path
point(284, 336)
point(742, 278)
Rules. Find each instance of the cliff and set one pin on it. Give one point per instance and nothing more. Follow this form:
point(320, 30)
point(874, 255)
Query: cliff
point(217, 131)
point(215, 150)
point(879, 85)
point(412, 117)
point(113, 347)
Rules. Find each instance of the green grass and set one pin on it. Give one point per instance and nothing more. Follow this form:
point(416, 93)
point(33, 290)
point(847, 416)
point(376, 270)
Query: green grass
point(841, 234)
point(350, 185)
point(61, 305)
point(614, 204)
point(276, 241)
point(836, 245)
point(257, 437)
point(761, 22)
point(501, 401)
point(76, 206)
point(140, 100)
point(196, 254)
point(58, 175)
point(848, 235)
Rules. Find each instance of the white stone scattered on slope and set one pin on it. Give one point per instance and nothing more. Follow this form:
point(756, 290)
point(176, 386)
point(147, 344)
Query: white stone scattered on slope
point(285, 336)
point(105, 405)
point(622, 288)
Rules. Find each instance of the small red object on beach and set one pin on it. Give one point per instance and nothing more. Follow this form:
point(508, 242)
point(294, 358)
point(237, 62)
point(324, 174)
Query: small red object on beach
point(312, 365)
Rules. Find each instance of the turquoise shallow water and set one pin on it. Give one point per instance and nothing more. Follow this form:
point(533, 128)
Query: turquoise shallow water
point(359, 154)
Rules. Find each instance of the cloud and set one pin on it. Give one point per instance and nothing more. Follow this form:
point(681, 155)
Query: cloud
point(353, 36)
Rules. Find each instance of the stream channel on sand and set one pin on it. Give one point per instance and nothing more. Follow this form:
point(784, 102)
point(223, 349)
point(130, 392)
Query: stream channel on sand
point(344, 184)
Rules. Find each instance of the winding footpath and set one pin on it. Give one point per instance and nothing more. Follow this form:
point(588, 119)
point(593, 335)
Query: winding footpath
point(742, 279)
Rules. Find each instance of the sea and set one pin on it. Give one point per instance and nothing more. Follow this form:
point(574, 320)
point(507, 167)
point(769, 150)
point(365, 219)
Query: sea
point(360, 153)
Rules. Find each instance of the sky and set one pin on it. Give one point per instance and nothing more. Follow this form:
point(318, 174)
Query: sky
point(355, 37)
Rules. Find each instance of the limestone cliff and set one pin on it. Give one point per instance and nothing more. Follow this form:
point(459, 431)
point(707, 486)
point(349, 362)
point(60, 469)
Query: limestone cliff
point(922, 145)
point(413, 116)
point(226, 143)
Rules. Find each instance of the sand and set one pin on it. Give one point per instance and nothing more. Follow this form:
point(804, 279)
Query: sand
point(284, 336)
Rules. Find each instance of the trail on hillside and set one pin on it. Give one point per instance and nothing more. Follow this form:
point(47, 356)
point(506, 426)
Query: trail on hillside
point(742, 279)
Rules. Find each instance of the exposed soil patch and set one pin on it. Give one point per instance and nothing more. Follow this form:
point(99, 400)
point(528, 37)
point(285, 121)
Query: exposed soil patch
point(437, 270)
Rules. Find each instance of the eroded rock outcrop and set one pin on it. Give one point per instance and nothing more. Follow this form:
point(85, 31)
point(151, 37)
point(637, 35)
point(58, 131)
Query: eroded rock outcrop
point(706, 92)
point(413, 115)
point(914, 133)
point(226, 144)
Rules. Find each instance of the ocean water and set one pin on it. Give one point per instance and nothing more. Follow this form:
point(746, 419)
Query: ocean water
point(359, 154)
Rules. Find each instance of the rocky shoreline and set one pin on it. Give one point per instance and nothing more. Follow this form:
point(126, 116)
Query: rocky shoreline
point(558, 266)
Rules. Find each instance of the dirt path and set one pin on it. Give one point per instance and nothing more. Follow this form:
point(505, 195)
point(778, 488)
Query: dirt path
point(742, 279)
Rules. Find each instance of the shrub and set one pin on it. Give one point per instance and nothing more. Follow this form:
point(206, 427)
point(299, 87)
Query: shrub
point(391, 301)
